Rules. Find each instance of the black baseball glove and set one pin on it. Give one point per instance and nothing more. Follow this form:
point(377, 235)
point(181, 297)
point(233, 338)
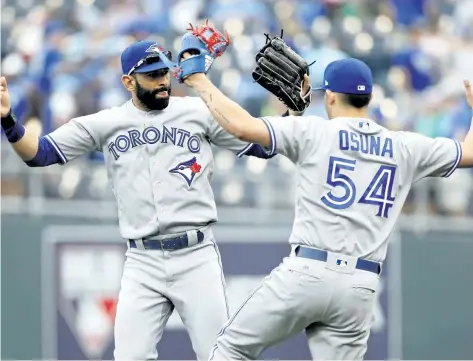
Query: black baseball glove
point(281, 71)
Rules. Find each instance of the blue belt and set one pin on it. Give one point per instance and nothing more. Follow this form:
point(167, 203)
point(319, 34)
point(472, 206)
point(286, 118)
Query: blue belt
point(321, 255)
point(168, 244)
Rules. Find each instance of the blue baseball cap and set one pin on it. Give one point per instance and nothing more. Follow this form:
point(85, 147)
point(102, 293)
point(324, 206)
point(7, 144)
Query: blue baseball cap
point(348, 76)
point(143, 57)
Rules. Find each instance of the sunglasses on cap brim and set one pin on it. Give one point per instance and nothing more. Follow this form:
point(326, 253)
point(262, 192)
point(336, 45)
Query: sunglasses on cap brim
point(150, 59)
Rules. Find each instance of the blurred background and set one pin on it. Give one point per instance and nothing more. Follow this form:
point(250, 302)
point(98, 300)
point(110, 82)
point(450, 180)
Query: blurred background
point(61, 60)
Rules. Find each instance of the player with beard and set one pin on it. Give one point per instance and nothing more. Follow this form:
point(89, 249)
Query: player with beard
point(158, 154)
point(157, 99)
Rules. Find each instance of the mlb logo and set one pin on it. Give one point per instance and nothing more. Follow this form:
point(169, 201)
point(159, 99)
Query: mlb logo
point(361, 88)
point(342, 263)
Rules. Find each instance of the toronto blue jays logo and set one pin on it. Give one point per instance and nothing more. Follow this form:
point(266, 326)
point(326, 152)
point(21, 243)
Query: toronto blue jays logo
point(187, 170)
point(155, 48)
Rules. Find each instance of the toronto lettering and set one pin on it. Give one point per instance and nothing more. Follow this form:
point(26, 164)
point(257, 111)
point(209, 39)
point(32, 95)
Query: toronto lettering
point(151, 135)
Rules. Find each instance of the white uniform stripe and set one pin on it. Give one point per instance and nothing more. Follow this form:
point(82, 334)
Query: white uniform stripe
point(245, 150)
point(457, 160)
point(222, 277)
point(56, 148)
point(272, 137)
point(229, 322)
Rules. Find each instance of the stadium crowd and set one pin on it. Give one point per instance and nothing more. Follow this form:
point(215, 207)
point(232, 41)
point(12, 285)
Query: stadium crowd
point(61, 60)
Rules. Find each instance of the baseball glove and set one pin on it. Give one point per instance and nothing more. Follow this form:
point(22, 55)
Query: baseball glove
point(281, 71)
point(204, 43)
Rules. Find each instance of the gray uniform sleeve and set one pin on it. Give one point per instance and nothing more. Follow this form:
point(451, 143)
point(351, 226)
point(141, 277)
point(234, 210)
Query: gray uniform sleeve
point(293, 136)
point(431, 157)
point(75, 138)
point(222, 138)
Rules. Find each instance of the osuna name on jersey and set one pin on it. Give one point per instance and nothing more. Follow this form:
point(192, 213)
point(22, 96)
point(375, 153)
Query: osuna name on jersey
point(367, 144)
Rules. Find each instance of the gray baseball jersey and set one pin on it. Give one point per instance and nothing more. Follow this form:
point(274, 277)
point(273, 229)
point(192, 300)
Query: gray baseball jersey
point(159, 166)
point(159, 163)
point(353, 177)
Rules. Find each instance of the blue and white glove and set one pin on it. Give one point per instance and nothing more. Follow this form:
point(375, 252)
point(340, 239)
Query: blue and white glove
point(204, 43)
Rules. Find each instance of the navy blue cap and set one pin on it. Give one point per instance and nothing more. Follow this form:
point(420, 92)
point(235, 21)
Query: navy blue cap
point(142, 57)
point(348, 76)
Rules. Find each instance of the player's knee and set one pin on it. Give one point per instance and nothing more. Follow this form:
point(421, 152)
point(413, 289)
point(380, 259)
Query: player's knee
point(219, 354)
point(225, 349)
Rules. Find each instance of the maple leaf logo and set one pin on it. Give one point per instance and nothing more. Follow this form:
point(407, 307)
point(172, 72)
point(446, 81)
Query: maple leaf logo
point(195, 168)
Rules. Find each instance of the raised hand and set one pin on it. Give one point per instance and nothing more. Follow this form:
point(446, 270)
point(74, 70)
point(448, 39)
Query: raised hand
point(468, 93)
point(215, 41)
point(5, 97)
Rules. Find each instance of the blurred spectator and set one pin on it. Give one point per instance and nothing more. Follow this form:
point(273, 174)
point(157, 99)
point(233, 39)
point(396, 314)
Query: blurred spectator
point(61, 60)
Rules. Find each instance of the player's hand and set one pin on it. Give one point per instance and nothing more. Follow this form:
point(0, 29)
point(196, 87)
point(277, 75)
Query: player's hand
point(468, 93)
point(305, 85)
point(188, 54)
point(5, 97)
point(193, 77)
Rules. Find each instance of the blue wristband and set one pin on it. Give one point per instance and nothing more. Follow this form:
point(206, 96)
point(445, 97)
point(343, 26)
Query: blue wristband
point(13, 130)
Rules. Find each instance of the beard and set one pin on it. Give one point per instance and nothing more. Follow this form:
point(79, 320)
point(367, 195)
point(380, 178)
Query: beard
point(149, 99)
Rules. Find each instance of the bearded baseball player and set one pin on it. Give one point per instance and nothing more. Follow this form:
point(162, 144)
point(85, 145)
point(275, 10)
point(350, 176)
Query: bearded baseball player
point(353, 177)
point(157, 151)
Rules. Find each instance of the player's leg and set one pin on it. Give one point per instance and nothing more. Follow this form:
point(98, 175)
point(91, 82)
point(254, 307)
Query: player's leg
point(346, 328)
point(199, 295)
point(293, 296)
point(142, 312)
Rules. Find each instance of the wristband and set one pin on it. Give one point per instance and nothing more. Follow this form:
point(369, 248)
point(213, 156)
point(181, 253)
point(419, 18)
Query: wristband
point(13, 130)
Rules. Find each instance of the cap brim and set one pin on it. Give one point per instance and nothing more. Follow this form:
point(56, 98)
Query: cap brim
point(151, 67)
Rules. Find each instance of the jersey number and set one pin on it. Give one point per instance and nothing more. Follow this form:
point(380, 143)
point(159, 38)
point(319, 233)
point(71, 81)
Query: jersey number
point(378, 193)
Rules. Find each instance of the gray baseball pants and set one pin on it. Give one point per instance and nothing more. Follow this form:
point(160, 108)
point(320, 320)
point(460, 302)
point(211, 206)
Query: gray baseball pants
point(332, 303)
point(157, 282)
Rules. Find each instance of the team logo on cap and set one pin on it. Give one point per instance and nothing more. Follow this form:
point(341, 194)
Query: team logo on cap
point(155, 48)
point(187, 170)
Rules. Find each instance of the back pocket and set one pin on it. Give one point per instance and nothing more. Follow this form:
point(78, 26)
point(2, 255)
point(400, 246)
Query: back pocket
point(366, 290)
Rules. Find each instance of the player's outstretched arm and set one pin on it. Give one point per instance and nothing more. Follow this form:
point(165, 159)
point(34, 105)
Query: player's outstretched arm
point(231, 116)
point(466, 160)
point(65, 143)
point(23, 141)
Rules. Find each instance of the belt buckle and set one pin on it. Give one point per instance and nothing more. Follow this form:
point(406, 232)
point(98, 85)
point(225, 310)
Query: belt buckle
point(162, 244)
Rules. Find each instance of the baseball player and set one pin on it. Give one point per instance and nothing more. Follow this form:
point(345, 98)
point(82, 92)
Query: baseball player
point(157, 151)
point(353, 177)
